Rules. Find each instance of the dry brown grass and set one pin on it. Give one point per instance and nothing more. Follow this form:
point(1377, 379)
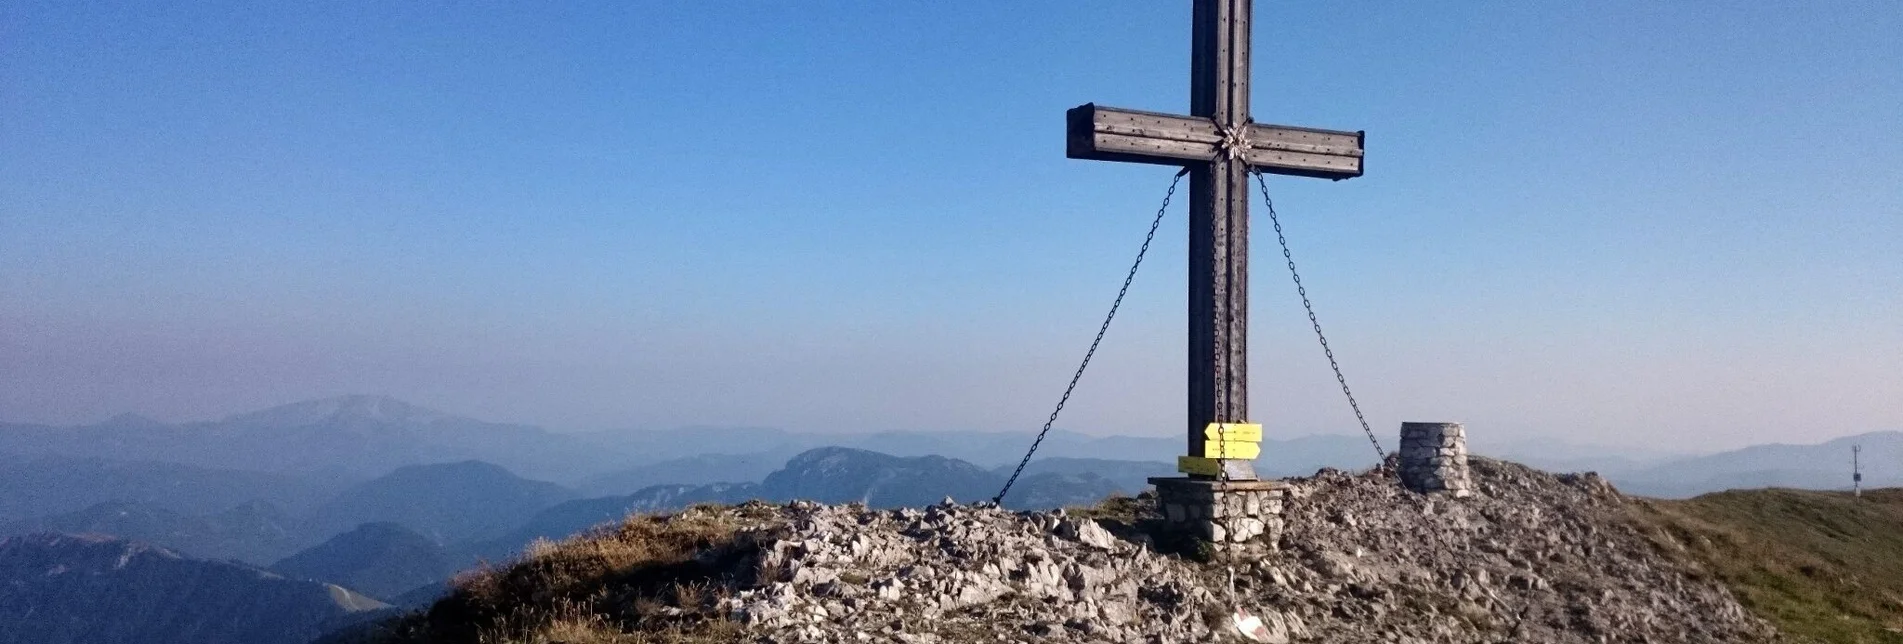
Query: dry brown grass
point(647, 580)
point(1118, 509)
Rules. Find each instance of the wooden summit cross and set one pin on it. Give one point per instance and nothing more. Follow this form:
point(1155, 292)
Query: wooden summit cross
point(1220, 145)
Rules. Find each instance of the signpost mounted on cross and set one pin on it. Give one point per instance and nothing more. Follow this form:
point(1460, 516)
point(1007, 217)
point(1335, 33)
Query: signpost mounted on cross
point(1221, 145)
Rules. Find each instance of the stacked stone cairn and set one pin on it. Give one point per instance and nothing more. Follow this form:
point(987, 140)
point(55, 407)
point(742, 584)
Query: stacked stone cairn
point(1433, 458)
point(1242, 517)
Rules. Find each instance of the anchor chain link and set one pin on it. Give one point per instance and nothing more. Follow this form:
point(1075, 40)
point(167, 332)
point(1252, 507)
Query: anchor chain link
point(1114, 305)
point(1313, 322)
point(1150, 236)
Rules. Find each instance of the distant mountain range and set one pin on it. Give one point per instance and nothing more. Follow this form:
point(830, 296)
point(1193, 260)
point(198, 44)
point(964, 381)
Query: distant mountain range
point(389, 499)
point(1128, 476)
point(845, 475)
point(295, 455)
point(352, 438)
point(447, 502)
point(383, 560)
point(690, 470)
point(410, 530)
point(1823, 466)
point(829, 475)
point(254, 532)
point(37, 486)
point(756, 448)
point(346, 437)
point(60, 589)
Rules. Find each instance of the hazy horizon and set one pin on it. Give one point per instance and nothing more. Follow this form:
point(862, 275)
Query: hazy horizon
point(1516, 443)
point(1624, 223)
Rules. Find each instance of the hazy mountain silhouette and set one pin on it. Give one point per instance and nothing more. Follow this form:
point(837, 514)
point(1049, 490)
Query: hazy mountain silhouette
point(46, 485)
point(446, 502)
point(690, 470)
point(642, 447)
point(189, 468)
point(1823, 466)
point(383, 560)
point(1047, 490)
point(827, 475)
point(574, 516)
point(353, 436)
point(256, 532)
point(357, 437)
point(1129, 477)
point(1291, 456)
point(845, 475)
point(61, 589)
point(1555, 454)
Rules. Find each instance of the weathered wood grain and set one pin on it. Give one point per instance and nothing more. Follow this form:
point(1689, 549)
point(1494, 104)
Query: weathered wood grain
point(1116, 134)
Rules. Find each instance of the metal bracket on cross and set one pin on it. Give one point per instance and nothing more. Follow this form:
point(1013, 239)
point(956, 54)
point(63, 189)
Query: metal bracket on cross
point(1235, 142)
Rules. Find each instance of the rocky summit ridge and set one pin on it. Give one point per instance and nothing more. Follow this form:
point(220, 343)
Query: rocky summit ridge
point(1530, 557)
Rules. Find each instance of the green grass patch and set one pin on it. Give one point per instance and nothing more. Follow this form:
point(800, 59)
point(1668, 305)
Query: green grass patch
point(1821, 566)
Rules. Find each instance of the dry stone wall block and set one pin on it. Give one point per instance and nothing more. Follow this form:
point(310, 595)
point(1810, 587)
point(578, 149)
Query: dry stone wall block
point(1433, 458)
point(1238, 516)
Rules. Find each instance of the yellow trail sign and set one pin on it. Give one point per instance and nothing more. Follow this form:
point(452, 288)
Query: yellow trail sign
point(1198, 466)
point(1232, 449)
point(1234, 432)
point(1223, 440)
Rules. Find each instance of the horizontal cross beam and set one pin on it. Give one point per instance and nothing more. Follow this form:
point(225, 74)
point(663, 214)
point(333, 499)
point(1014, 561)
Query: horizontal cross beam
point(1116, 134)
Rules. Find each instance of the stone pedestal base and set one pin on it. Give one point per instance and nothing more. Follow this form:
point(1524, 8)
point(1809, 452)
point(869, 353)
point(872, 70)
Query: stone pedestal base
point(1233, 515)
point(1433, 458)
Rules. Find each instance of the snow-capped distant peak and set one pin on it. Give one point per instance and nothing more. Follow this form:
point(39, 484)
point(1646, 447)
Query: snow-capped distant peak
point(352, 408)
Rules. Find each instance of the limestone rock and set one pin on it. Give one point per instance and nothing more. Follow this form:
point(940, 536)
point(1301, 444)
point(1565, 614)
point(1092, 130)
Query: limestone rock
point(1538, 558)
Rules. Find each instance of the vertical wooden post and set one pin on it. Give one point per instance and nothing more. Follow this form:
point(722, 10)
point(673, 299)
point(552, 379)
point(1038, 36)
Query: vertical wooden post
point(1219, 166)
point(1219, 229)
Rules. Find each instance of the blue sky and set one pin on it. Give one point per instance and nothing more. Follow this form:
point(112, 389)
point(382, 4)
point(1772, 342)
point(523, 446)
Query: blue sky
point(1670, 225)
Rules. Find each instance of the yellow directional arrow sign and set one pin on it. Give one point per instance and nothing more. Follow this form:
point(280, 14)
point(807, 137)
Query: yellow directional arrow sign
point(1223, 440)
point(1232, 449)
point(1234, 432)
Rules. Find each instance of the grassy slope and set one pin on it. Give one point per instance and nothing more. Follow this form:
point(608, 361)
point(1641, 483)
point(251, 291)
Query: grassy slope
point(643, 581)
point(1822, 566)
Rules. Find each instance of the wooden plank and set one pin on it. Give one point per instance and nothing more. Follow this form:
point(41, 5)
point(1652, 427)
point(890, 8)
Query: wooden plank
point(1306, 152)
point(1233, 432)
point(1218, 383)
point(1118, 147)
point(1330, 141)
point(1111, 134)
point(1321, 166)
point(1115, 134)
point(1182, 128)
point(1217, 311)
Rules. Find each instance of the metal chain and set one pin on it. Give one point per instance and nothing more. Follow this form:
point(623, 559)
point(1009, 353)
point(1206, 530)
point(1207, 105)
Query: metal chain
point(1114, 305)
point(1303, 292)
